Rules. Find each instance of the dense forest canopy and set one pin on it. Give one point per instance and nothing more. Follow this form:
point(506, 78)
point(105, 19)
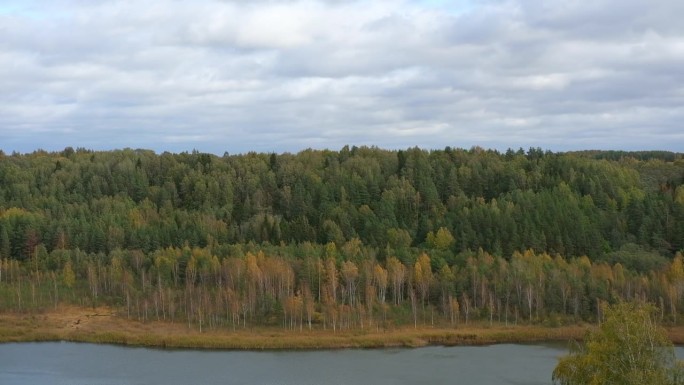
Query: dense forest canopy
point(574, 204)
point(340, 227)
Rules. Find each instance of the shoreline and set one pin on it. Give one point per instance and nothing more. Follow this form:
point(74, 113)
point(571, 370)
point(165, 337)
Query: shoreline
point(102, 326)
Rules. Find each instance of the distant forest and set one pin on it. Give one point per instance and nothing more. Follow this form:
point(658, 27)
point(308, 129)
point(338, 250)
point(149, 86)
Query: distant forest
point(197, 235)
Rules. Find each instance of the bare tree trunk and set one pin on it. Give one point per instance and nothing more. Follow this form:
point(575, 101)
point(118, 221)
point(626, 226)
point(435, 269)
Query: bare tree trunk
point(54, 282)
point(414, 307)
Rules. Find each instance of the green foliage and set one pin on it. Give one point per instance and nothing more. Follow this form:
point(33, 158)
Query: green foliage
point(68, 275)
point(398, 239)
point(634, 257)
point(574, 203)
point(515, 236)
point(442, 240)
point(628, 349)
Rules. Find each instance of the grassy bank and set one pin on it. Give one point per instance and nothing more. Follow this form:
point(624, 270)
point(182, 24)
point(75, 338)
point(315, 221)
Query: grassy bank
point(101, 325)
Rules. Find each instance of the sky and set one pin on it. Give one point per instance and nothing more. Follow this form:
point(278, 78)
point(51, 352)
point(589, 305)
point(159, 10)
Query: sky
point(284, 75)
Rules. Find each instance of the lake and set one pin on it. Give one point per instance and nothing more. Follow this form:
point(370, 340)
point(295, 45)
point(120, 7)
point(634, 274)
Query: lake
point(77, 363)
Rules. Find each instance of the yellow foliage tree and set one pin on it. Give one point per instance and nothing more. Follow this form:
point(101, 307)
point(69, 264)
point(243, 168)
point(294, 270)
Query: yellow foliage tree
point(628, 349)
point(68, 275)
point(441, 240)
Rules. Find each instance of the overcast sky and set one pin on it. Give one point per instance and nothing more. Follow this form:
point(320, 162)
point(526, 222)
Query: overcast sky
point(238, 76)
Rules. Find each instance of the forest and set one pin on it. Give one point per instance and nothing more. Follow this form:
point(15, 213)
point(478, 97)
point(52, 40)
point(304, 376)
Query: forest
point(356, 238)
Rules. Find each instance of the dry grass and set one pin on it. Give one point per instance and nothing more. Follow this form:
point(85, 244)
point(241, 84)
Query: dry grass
point(676, 334)
point(101, 325)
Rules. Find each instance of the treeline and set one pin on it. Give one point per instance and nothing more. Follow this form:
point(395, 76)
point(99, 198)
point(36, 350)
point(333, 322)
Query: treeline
point(342, 239)
point(572, 204)
point(321, 286)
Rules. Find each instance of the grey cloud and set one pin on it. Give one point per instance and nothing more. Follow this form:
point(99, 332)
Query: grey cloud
point(286, 75)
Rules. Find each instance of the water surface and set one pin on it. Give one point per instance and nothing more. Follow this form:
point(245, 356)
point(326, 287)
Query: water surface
point(77, 363)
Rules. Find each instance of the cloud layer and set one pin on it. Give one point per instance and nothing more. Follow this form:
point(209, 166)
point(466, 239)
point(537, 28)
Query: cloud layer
point(286, 75)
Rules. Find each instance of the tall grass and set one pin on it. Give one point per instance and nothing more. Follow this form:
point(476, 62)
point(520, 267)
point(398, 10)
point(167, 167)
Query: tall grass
point(77, 325)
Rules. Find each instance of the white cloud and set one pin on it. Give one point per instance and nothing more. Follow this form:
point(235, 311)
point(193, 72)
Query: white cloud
point(284, 75)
